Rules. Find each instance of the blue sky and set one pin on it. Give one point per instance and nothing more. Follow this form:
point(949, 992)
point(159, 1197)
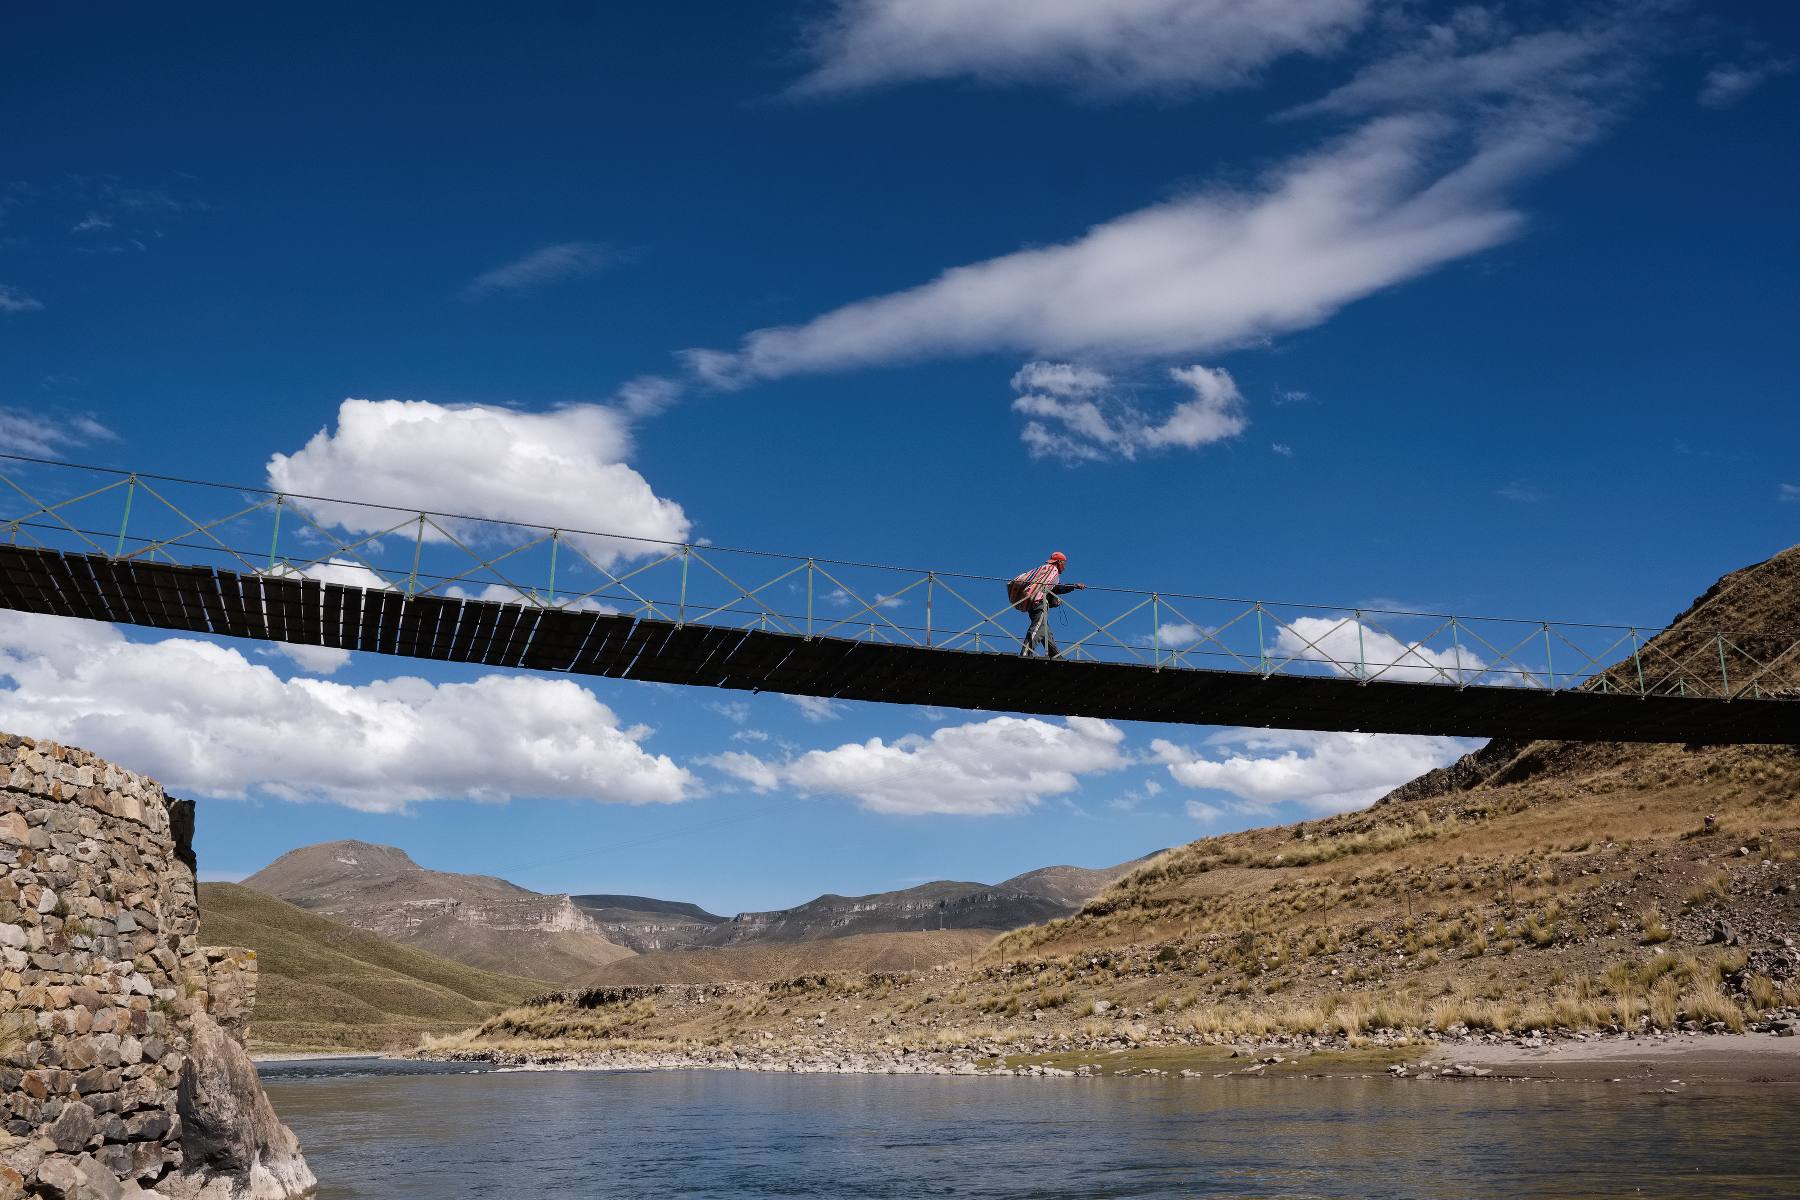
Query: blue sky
point(1492, 305)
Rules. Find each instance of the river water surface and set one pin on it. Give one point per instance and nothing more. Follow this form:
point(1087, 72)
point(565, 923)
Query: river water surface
point(408, 1132)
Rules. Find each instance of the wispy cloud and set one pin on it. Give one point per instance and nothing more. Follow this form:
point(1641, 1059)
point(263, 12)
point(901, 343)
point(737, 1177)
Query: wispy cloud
point(1728, 83)
point(1449, 130)
point(543, 266)
point(1111, 47)
point(816, 708)
point(1078, 414)
point(1789, 493)
point(12, 300)
point(44, 435)
point(1520, 491)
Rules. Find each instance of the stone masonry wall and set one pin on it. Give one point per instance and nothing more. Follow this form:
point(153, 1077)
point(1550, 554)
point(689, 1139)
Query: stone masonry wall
point(100, 973)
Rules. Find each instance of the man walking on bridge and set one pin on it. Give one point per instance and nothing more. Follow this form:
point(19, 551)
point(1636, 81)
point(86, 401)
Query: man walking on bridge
point(1035, 592)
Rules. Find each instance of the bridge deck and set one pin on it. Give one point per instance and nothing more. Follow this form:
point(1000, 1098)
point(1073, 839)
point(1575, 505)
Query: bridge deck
point(309, 612)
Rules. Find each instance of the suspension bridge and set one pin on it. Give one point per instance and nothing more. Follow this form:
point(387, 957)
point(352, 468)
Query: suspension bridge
point(168, 553)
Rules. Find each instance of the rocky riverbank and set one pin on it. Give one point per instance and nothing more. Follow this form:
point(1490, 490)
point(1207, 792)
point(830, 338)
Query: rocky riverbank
point(1662, 1058)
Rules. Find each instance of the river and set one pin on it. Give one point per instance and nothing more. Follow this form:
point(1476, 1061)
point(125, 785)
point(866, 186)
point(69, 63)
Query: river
point(414, 1132)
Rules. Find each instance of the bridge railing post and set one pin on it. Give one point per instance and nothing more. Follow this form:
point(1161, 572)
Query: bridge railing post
point(1456, 641)
point(687, 552)
point(1637, 661)
point(1262, 645)
point(930, 586)
point(412, 578)
point(1362, 667)
point(1724, 674)
point(555, 536)
point(1549, 658)
point(809, 599)
point(125, 521)
point(275, 534)
point(1155, 631)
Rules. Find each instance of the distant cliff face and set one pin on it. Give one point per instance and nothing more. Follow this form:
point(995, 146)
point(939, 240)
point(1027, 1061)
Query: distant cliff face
point(474, 919)
point(942, 905)
point(647, 925)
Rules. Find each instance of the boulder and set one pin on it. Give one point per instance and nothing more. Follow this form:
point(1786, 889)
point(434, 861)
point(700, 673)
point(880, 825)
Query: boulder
point(229, 1131)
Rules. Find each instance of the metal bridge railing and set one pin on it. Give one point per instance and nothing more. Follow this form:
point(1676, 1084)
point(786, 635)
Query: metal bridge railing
point(138, 515)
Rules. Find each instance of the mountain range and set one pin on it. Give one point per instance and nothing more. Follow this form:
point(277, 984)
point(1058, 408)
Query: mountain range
point(498, 926)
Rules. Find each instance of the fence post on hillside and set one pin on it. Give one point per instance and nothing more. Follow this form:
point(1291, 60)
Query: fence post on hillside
point(125, 521)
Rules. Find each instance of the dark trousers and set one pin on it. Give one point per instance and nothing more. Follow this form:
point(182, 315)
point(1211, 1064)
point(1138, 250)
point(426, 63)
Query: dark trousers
point(1039, 631)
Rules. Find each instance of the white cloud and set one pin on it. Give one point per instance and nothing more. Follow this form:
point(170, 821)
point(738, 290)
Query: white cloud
point(1322, 772)
point(1458, 123)
point(1115, 46)
point(12, 300)
point(1520, 491)
point(1077, 413)
point(816, 708)
point(1282, 448)
point(1201, 811)
point(43, 435)
point(545, 265)
point(1344, 645)
point(320, 660)
point(1203, 273)
point(1789, 493)
point(1178, 635)
point(1730, 82)
point(1473, 58)
point(1002, 765)
point(202, 719)
point(563, 468)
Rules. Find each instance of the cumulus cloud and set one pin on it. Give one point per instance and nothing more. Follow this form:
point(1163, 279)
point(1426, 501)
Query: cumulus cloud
point(545, 265)
point(1347, 646)
point(1116, 46)
point(205, 720)
point(1078, 414)
point(1730, 82)
point(43, 435)
point(998, 766)
point(563, 468)
point(1322, 772)
point(12, 300)
point(320, 660)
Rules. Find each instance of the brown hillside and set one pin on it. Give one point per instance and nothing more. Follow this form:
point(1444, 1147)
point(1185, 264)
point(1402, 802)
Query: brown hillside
point(322, 984)
point(863, 952)
point(1540, 886)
